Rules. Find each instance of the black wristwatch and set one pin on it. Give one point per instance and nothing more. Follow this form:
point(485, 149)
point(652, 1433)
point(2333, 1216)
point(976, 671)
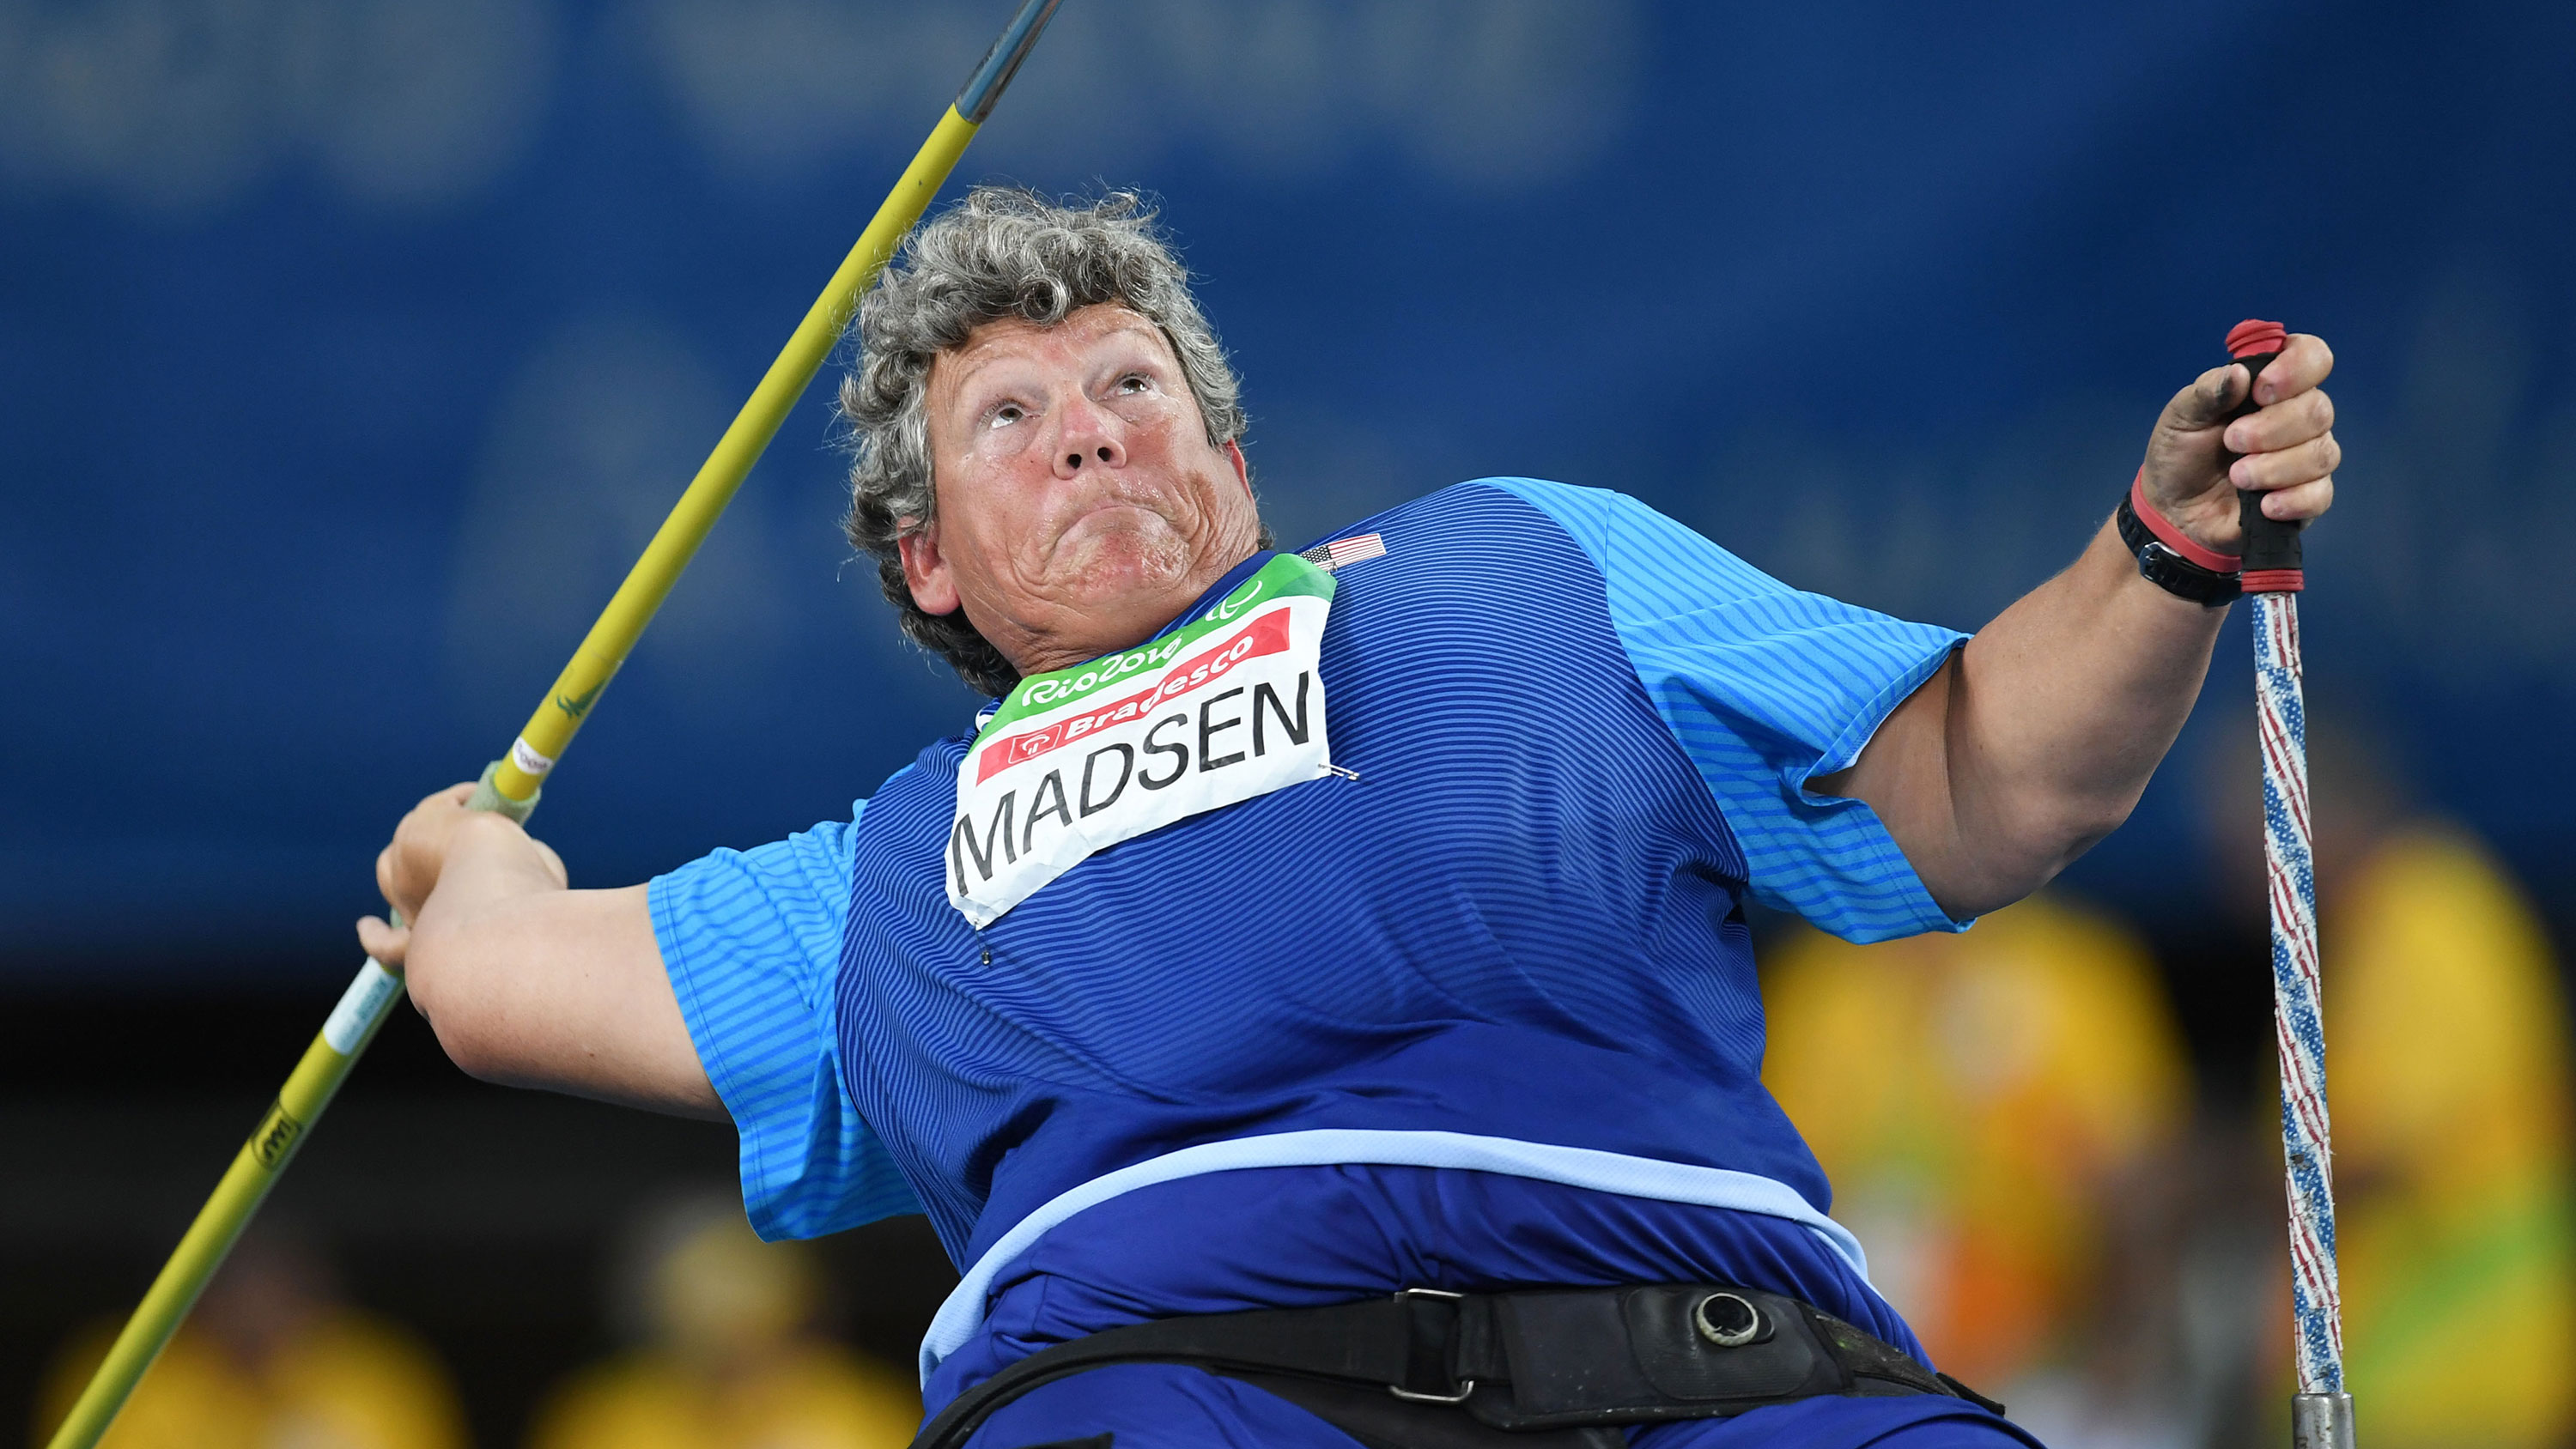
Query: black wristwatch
point(2159, 565)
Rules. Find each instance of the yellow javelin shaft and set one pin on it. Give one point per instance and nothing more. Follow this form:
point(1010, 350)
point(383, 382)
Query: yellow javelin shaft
point(510, 785)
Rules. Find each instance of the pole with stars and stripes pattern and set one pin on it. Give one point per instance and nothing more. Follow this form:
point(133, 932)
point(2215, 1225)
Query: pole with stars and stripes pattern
point(2321, 1413)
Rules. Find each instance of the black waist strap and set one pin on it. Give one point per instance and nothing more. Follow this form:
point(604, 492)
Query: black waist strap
point(1522, 1362)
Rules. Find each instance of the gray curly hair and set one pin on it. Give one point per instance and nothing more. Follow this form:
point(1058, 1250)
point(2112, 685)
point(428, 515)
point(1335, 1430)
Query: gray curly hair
point(1001, 252)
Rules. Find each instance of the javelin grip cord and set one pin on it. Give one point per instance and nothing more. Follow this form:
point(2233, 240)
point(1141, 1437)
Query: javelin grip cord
point(510, 785)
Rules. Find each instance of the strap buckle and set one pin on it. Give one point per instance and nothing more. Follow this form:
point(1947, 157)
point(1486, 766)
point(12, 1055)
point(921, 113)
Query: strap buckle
point(1415, 1354)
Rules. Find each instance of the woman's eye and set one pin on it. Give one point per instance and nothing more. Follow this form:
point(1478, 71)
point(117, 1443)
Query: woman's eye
point(1007, 414)
point(1135, 382)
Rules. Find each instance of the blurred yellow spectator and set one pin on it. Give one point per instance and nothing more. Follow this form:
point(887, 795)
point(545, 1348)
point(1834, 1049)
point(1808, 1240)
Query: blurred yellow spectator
point(729, 1359)
point(2447, 1068)
point(271, 1359)
point(1978, 1100)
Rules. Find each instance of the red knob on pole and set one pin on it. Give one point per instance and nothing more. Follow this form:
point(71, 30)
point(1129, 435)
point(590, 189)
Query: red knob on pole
point(2251, 338)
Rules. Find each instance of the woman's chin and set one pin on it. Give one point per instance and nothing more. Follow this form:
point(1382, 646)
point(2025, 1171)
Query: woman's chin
point(1112, 580)
point(1115, 552)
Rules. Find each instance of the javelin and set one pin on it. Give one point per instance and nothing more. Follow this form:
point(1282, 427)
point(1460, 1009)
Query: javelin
point(510, 785)
point(2321, 1411)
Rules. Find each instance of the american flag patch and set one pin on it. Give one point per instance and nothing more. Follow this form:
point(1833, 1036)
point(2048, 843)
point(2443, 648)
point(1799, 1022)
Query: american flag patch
point(1344, 551)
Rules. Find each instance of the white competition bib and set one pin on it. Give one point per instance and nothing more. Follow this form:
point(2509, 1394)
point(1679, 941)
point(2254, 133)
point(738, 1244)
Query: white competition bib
point(1221, 710)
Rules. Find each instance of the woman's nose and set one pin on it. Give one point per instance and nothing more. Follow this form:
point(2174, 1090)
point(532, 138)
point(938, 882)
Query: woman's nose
point(1090, 439)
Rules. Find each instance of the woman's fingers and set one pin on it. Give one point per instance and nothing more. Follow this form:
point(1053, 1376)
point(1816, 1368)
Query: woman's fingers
point(2283, 425)
point(2288, 468)
point(2300, 502)
point(2289, 446)
point(554, 862)
point(382, 940)
point(2305, 361)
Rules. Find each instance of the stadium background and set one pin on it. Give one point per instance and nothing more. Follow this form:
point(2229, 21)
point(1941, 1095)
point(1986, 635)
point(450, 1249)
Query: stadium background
point(348, 352)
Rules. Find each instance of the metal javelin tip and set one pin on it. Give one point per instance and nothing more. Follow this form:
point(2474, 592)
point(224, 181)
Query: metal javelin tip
point(1002, 62)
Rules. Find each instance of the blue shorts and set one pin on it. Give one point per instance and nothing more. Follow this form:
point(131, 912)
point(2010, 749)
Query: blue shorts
point(1169, 1406)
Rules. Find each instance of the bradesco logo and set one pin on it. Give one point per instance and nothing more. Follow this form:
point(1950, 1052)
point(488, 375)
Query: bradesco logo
point(1265, 635)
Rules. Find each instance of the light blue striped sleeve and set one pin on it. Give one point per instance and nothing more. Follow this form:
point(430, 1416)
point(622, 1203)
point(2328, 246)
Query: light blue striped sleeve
point(752, 939)
point(1764, 687)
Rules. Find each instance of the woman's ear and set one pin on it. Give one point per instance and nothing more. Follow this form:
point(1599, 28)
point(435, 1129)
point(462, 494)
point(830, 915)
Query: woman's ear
point(926, 571)
point(1242, 469)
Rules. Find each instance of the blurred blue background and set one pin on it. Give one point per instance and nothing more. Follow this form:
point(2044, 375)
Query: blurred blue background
point(350, 349)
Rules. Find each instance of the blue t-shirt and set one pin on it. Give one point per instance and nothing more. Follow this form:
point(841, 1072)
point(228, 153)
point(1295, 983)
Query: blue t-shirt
point(1512, 945)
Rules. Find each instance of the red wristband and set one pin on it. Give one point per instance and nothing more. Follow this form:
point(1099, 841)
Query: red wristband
point(2172, 537)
